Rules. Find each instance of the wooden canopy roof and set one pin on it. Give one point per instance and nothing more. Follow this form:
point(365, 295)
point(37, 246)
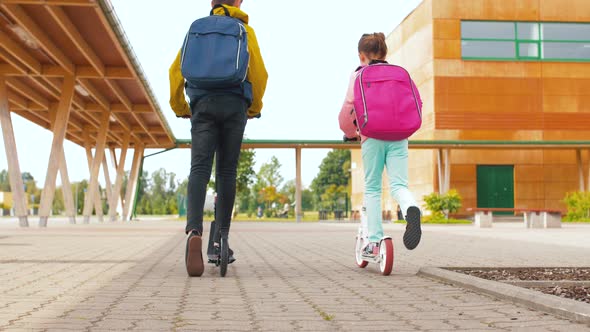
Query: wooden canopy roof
point(41, 41)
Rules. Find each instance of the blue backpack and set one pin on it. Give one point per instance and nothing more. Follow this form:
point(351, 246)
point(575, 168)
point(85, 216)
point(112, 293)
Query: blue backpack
point(215, 52)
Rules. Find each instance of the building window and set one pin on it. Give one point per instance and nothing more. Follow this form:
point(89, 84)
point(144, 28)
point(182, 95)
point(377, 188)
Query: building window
point(525, 41)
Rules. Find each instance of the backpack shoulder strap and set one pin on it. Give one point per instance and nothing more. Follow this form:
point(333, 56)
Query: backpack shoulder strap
point(219, 6)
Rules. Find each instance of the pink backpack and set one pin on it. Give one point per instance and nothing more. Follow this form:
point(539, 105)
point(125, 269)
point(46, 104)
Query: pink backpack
point(386, 102)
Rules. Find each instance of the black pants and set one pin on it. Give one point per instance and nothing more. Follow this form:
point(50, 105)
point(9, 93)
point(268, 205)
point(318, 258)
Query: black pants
point(218, 124)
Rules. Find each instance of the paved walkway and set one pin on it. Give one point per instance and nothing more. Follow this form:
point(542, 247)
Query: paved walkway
point(288, 277)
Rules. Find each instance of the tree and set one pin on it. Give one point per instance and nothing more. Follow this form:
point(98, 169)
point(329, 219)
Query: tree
point(289, 190)
point(329, 199)
point(269, 173)
point(26, 176)
point(124, 184)
point(307, 200)
point(270, 195)
point(33, 194)
point(246, 173)
point(442, 205)
point(4, 181)
point(158, 191)
point(58, 205)
point(79, 189)
point(158, 194)
point(143, 185)
point(334, 170)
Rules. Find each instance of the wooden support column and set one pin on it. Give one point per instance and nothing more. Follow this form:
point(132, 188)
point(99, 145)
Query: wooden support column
point(96, 203)
point(439, 169)
point(580, 169)
point(101, 139)
point(447, 162)
point(298, 212)
point(444, 170)
point(107, 177)
point(65, 179)
point(66, 189)
point(120, 167)
point(59, 134)
point(115, 165)
point(16, 180)
point(132, 182)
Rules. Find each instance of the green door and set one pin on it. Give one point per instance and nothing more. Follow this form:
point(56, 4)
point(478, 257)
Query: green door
point(495, 187)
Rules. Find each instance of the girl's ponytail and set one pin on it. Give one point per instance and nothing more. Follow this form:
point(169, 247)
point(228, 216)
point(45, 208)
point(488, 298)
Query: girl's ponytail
point(373, 45)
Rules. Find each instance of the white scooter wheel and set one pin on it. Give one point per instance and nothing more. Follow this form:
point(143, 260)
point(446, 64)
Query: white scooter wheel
point(358, 253)
point(386, 256)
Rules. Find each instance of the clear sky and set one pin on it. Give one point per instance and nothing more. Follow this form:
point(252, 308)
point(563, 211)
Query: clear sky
point(309, 48)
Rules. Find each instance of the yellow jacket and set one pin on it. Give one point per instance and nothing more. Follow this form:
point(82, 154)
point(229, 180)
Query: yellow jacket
point(257, 74)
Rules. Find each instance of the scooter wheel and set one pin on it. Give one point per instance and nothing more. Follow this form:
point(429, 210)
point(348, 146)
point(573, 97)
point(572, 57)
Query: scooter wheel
point(386, 257)
point(224, 259)
point(358, 254)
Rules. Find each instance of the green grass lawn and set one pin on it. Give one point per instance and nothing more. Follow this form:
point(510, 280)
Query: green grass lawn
point(584, 220)
point(308, 216)
point(313, 216)
point(449, 221)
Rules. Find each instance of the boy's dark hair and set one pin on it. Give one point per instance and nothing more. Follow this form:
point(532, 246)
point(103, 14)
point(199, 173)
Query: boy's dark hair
point(224, 2)
point(373, 45)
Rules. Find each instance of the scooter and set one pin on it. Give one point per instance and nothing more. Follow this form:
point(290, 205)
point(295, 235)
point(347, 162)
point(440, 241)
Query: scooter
point(385, 256)
point(221, 260)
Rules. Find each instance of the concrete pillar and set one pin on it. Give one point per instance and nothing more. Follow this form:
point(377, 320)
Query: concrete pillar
point(533, 220)
point(16, 180)
point(483, 219)
point(551, 220)
point(59, 134)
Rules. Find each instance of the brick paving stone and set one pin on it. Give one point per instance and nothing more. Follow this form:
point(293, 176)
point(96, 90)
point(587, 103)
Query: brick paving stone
point(117, 276)
point(568, 328)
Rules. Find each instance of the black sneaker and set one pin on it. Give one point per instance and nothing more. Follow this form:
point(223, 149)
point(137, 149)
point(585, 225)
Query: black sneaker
point(193, 257)
point(413, 231)
point(214, 257)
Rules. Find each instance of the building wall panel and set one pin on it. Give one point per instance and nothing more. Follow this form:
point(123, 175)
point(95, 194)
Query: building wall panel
point(446, 29)
point(565, 11)
point(526, 10)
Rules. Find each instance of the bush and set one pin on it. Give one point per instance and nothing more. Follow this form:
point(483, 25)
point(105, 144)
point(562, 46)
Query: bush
point(578, 206)
point(442, 205)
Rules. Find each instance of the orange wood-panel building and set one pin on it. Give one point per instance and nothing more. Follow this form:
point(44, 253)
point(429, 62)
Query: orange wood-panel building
point(503, 71)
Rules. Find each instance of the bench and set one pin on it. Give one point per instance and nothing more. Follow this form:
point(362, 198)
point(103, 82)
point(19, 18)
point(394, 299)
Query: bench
point(533, 218)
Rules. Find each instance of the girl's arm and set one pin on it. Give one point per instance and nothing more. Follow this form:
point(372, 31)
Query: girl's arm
point(346, 117)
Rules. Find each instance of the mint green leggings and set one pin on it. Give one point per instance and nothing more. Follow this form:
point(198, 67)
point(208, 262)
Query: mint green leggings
point(393, 155)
